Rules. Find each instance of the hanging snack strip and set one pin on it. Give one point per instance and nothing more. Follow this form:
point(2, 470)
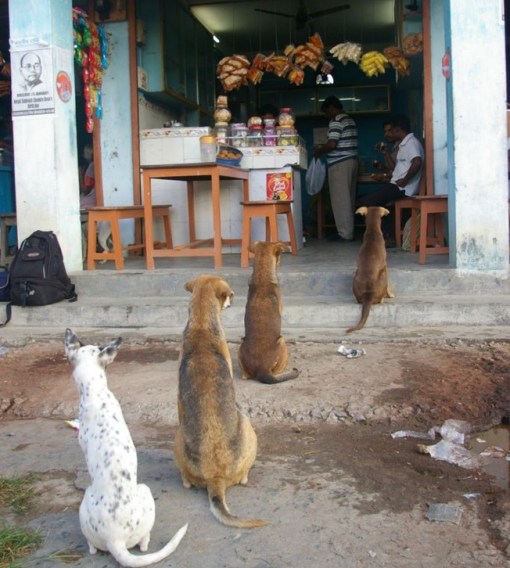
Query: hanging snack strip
point(91, 53)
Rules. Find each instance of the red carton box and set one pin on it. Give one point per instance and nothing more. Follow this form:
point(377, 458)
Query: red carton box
point(279, 187)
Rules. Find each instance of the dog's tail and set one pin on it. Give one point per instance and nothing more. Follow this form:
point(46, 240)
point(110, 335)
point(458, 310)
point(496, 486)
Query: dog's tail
point(219, 509)
point(125, 558)
point(282, 377)
point(365, 310)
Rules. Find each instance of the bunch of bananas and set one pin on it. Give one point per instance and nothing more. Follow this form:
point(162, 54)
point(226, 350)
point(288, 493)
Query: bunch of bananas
point(373, 63)
point(346, 52)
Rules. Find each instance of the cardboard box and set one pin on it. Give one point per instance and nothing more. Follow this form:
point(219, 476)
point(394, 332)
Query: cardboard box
point(279, 186)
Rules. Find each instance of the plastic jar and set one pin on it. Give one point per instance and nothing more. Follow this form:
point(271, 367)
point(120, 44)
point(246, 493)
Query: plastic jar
point(254, 137)
point(222, 115)
point(286, 117)
point(221, 133)
point(238, 134)
point(254, 121)
point(287, 136)
point(270, 137)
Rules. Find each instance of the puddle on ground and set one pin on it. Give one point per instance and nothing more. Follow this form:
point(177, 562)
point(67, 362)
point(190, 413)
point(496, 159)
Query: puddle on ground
point(498, 465)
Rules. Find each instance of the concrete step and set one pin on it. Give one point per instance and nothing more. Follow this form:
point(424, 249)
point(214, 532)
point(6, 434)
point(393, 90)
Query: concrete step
point(316, 288)
point(324, 281)
point(305, 311)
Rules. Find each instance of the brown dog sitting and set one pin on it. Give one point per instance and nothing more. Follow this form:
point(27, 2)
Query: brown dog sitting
point(370, 285)
point(263, 352)
point(215, 444)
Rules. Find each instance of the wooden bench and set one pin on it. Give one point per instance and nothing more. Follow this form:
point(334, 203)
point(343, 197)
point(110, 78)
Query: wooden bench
point(113, 215)
point(7, 220)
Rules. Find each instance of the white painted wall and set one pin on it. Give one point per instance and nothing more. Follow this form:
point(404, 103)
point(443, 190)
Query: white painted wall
point(46, 173)
point(477, 180)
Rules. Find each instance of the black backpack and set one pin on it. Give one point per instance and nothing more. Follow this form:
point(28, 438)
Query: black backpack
point(37, 272)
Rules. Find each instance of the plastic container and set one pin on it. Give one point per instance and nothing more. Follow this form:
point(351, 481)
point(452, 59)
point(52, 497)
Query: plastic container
point(287, 136)
point(208, 148)
point(229, 156)
point(286, 117)
point(222, 114)
point(254, 121)
point(254, 137)
point(221, 133)
point(238, 133)
point(269, 137)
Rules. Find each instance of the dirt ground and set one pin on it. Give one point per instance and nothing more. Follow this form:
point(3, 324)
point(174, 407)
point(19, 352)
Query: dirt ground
point(338, 489)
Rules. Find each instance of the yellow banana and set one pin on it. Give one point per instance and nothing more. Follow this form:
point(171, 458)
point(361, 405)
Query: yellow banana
point(373, 63)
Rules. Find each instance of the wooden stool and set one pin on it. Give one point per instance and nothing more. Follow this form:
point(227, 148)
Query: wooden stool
point(113, 215)
point(431, 239)
point(269, 210)
point(408, 202)
point(7, 220)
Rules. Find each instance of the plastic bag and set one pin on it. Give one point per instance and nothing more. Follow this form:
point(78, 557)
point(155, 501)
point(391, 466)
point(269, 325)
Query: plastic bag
point(315, 176)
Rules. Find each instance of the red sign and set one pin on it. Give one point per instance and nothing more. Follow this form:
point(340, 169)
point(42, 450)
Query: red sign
point(279, 187)
point(446, 66)
point(64, 86)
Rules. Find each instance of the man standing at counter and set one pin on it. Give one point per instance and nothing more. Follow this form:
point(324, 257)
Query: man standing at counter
point(341, 151)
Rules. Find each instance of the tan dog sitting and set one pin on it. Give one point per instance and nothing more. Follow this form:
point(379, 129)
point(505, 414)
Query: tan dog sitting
point(370, 284)
point(215, 444)
point(263, 352)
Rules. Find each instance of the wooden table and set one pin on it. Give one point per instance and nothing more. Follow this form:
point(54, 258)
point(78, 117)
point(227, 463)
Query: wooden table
point(215, 173)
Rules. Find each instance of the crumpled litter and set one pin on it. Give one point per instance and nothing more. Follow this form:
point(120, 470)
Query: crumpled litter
point(456, 431)
point(351, 353)
point(454, 434)
point(451, 453)
point(430, 435)
point(453, 430)
point(443, 512)
point(495, 452)
point(74, 423)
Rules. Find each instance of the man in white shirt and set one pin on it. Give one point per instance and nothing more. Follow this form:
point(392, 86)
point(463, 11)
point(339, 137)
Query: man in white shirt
point(405, 178)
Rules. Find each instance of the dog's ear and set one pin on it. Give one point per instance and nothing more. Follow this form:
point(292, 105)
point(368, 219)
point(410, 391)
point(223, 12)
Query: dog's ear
point(252, 246)
point(384, 212)
point(71, 343)
point(107, 354)
point(362, 211)
point(280, 247)
point(224, 294)
point(190, 285)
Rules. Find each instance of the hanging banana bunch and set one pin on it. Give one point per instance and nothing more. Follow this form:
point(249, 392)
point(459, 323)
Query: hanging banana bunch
point(373, 63)
point(346, 52)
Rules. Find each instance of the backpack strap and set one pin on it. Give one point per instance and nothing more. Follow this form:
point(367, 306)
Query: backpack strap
point(7, 314)
point(23, 293)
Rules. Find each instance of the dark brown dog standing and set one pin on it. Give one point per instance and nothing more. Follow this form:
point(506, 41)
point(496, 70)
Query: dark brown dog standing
point(215, 444)
point(263, 352)
point(370, 285)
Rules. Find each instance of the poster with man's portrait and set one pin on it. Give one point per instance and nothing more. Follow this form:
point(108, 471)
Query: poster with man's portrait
point(32, 81)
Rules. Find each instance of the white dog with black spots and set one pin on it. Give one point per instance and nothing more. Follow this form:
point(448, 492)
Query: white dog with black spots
point(117, 512)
